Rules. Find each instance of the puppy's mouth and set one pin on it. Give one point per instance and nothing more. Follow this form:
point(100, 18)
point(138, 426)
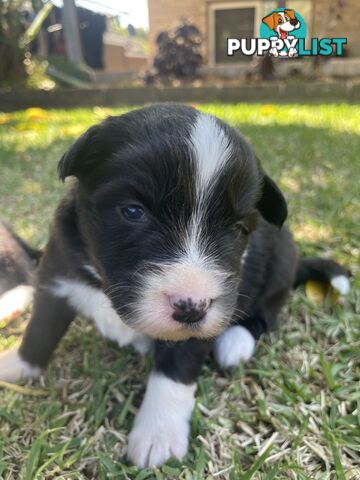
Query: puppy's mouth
point(160, 324)
point(195, 330)
point(171, 330)
point(283, 34)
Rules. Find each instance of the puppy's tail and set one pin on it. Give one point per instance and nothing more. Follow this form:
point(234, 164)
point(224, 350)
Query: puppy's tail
point(324, 271)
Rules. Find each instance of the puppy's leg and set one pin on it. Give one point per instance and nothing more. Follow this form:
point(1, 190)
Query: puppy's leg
point(162, 425)
point(238, 342)
point(50, 319)
point(235, 344)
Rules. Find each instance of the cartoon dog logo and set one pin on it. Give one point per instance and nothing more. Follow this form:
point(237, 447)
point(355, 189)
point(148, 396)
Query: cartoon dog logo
point(282, 23)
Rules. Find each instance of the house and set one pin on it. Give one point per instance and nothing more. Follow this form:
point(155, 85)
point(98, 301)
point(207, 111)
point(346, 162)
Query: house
point(221, 19)
point(118, 57)
point(103, 49)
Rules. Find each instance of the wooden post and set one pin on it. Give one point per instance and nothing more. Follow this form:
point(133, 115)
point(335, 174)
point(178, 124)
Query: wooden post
point(71, 32)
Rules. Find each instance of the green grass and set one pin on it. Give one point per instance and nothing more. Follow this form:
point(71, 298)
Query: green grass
point(293, 412)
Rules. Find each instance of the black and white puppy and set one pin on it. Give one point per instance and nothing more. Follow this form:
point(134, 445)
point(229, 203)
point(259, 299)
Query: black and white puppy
point(172, 231)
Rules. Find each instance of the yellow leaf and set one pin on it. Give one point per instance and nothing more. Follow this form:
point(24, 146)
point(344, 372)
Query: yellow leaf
point(267, 109)
point(36, 114)
point(320, 292)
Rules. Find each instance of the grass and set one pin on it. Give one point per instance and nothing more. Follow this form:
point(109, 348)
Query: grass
point(293, 412)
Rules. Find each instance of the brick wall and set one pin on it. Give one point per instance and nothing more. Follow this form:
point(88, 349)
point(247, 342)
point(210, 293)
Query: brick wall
point(117, 60)
point(326, 23)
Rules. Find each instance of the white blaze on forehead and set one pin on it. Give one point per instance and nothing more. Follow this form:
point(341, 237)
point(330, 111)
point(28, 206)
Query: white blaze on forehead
point(211, 149)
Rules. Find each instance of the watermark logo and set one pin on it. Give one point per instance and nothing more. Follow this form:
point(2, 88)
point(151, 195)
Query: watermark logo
point(283, 28)
point(282, 34)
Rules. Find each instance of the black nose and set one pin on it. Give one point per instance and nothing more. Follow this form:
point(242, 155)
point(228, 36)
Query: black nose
point(294, 22)
point(186, 310)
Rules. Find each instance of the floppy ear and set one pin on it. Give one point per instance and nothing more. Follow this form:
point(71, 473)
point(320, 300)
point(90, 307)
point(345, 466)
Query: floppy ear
point(272, 204)
point(291, 14)
point(79, 157)
point(270, 21)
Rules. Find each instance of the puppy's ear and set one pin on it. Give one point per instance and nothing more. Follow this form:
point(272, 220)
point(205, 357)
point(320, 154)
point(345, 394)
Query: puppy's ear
point(291, 13)
point(270, 21)
point(78, 157)
point(272, 204)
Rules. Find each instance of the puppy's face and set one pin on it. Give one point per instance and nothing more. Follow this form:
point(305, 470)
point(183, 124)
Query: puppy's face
point(167, 197)
point(282, 22)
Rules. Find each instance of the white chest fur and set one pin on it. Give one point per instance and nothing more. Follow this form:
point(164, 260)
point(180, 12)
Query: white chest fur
point(92, 303)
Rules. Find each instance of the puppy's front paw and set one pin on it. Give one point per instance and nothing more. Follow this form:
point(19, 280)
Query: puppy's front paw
point(151, 445)
point(162, 425)
point(13, 367)
point(234, 345)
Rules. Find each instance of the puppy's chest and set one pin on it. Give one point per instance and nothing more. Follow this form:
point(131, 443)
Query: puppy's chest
point(93, 303)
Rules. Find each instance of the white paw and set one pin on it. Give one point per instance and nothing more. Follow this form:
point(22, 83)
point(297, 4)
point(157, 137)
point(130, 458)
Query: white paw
point(274, 52)
point(14, 368)
point(151, 447)
point(341, 284)
point(234, 345)
point(14, 301)
point(292, 52)
point(161, 428)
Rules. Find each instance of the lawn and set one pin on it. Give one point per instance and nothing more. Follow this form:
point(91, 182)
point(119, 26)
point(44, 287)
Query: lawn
point(293, 412)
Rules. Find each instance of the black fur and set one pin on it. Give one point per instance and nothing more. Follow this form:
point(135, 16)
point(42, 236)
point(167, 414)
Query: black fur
point(181, 361)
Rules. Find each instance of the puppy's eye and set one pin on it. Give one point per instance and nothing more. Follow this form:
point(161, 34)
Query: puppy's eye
point(287, 18)
point(133, 213)
point(280, 21)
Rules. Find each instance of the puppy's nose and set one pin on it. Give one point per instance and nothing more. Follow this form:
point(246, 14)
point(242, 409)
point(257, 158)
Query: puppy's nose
point(294, 22)
point(187, 309)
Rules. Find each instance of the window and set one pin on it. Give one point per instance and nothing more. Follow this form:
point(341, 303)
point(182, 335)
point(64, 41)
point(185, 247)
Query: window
point(232, 23)
point(242, 19)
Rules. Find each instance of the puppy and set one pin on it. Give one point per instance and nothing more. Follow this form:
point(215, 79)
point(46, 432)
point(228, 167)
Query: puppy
point(173, 232)
point(282, 22)
point(17, 273)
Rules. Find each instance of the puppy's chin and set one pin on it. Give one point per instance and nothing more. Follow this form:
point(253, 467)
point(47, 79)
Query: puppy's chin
point(201, 331)
point(162, 327)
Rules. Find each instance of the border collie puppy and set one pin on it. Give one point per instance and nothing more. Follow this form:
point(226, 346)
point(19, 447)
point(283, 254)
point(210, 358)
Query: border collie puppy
point(172, 232)
point(17, 273)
